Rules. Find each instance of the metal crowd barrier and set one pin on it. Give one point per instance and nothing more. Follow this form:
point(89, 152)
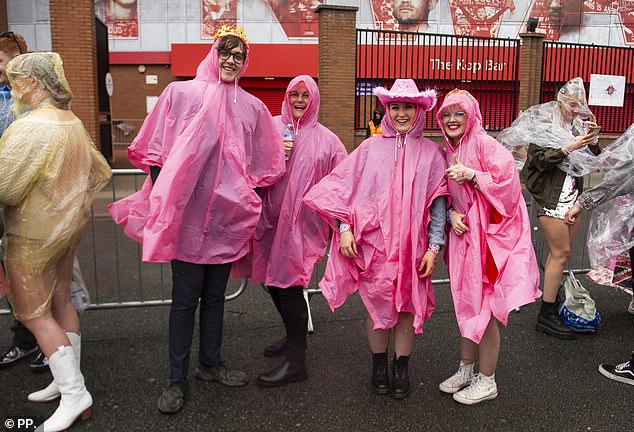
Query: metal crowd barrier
point(116, 277)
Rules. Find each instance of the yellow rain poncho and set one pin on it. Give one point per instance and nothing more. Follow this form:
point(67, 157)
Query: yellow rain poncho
point(51, 172)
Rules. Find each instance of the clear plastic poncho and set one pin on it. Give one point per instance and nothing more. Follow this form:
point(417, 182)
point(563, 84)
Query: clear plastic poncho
point(611, 228)
point(546, 126)
point(51, 173)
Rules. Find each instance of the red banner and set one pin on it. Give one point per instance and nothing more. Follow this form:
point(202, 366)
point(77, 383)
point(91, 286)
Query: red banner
point(297, 17)
point(479, 17)
point(215, 14)
point(121, 17)
point(435, 62)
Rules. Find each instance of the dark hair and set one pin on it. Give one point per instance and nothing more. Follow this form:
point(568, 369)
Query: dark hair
point(229, 42)
point(12, 44)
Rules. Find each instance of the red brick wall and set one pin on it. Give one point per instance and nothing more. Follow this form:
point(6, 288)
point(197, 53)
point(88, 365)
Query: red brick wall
point(337, 62)
point(73, 37)
point(130, 90)
point(531, 69)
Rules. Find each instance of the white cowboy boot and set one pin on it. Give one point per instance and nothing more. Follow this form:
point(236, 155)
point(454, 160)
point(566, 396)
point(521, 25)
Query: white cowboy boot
point(75, 400)
point(51, 392)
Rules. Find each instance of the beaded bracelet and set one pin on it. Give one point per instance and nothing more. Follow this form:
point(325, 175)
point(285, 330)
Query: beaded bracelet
point(344, 227)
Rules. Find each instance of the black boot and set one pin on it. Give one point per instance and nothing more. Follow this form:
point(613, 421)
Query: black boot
point(276, 349)
point(549, 322)
point(400, 379)
point(380, 377)
point(285, 373)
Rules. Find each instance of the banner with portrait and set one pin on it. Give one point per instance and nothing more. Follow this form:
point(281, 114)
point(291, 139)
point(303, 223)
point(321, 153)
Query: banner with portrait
point(602, 22)
point(479, 17)
point(121, 17)
point(215, 14)
point(297, 17)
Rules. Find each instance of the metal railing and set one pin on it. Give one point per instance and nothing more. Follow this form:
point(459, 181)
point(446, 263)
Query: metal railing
point(486, 67)
point(116, 277)
point(564, 61)
point(123, 132)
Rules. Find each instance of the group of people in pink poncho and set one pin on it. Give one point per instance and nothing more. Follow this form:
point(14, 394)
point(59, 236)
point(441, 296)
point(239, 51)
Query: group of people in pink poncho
point(221, 200)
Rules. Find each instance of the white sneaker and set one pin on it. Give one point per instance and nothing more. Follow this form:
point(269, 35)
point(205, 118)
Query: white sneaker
point(459, 380)
point(482, 388)
point(630, 308)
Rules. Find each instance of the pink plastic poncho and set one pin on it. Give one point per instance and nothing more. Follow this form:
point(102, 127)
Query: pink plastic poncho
point(291, 238)
point(384, 189)
point(214, 143)
point(499, 230)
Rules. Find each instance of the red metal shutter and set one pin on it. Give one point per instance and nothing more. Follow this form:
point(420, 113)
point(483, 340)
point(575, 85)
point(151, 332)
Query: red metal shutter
point(272, 98)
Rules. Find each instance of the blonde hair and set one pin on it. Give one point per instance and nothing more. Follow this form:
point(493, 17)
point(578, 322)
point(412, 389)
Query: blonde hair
point(47, 69)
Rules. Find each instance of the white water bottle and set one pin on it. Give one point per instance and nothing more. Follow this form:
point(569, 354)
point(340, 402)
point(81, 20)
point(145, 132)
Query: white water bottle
point(288, 137)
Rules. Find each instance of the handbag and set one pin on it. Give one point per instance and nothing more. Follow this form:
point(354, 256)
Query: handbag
point(578, 310)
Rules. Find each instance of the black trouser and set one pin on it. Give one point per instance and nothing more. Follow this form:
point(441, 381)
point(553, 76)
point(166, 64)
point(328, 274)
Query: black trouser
point(192, 282)
point(22, 337)
point(294, 312)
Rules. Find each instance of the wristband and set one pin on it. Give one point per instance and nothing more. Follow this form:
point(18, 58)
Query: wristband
point(344, 227)
point(449, 211)
point(434, 248)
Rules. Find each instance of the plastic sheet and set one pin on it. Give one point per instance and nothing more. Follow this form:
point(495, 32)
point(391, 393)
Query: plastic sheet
point(384, 190)
point(554, 124)
point(215, 143)
point(51, 173)
point(499, 233)
point(291, 238)
point(611, 228)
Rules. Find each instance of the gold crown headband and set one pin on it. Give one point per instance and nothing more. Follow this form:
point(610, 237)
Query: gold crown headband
point(227, 30)
point(462, 92)
point(459, 91)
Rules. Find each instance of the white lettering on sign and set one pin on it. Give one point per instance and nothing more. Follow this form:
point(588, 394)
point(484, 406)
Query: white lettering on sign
point(467, 65)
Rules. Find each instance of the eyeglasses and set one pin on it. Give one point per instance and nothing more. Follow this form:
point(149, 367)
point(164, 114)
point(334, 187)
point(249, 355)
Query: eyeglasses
point(11, 35)
point(458, 115)
point(238, 57)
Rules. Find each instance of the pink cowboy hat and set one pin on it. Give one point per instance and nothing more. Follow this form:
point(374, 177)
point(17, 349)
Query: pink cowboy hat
point(405, 90)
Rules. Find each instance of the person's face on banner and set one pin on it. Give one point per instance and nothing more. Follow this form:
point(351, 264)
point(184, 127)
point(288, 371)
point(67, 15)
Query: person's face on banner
point(122, 9)
point(411, 12)
point(563, 13)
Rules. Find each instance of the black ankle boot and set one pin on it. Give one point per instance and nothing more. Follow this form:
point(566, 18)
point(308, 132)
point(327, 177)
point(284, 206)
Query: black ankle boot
point(277, 349)
point(380, 377)
point(285, 373)
point(400, 379)
point(549, 322)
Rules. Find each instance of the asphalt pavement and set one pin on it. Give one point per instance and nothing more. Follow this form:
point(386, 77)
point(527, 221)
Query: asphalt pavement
point(544, 384)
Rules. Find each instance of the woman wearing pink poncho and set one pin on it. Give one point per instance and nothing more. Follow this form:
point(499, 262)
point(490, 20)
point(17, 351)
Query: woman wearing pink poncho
point(389, 196)
point(291, 238)
point(490, 256)
point(212, 143)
